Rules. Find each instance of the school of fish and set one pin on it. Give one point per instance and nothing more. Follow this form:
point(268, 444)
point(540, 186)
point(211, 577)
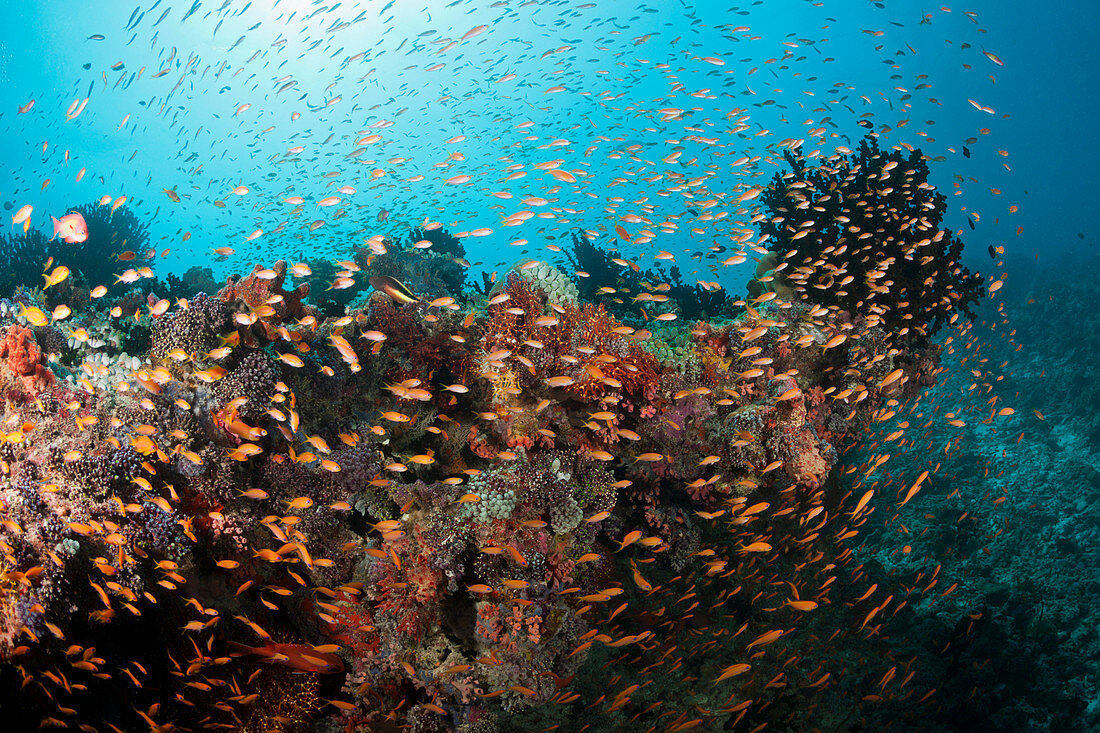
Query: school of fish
point(355, 487)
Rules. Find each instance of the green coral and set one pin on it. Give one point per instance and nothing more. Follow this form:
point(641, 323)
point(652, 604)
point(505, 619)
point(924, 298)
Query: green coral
point(495, 502)
point(593, 489)
point(372, 502)
point(673, 348)
point(547, 278)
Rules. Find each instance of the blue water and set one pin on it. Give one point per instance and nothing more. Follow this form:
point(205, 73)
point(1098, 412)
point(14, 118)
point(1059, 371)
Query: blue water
point(658, 112)
point(1042, 117)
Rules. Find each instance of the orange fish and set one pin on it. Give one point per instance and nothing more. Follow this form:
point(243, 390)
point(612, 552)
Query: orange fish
point(802, 605)
point(630, 539)
point(299, 657)
point(733, 671)
point(765, 639)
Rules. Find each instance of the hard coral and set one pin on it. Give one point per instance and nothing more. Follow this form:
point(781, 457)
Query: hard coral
point(262, 297)
point(545, 277)
point(254, 378)
point(193, 329)
point(768, 279)
point(25, 359)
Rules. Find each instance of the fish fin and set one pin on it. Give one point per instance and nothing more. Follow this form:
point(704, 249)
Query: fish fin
point(242, 649)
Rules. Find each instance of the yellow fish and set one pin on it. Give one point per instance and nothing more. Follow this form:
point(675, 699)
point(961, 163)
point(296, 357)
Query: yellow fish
point(59, 274)
point(34, 315)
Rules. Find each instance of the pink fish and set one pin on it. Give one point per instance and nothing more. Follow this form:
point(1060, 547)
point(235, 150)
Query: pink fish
point(72, 228)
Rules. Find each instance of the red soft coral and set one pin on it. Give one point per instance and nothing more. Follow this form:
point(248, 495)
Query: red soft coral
point(25, 359)
point(616, 364)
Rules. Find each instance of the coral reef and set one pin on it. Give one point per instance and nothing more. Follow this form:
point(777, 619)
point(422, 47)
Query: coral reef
point(193, 280)
point(192, 330)
point(437, 514)
point(21, 258)
point(113, 231)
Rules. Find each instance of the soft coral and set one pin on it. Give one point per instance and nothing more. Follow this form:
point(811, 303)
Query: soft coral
point(25, 359)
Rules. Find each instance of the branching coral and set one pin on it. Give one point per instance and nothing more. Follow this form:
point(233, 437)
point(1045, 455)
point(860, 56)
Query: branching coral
point(874, 242)
point(602, 268)
point(111, 231)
